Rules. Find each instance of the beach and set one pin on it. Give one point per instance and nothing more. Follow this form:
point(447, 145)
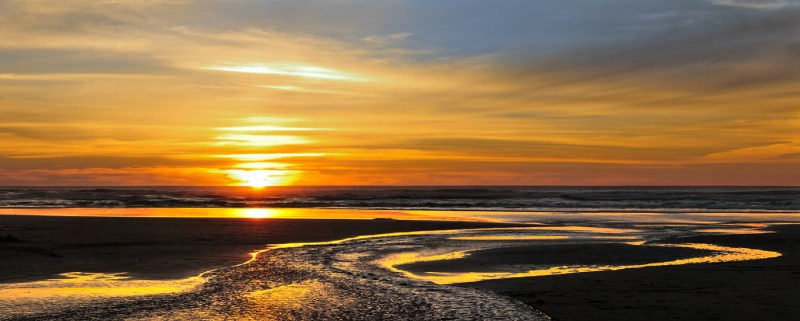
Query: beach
point(597, 267)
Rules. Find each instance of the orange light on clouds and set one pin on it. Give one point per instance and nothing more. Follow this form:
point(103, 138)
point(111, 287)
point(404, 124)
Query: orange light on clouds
point(259, 170)
point(266, 128)
point(252, 160)
point(264, 157)
point(260, 140)
point(262, 165)
point(296, 70)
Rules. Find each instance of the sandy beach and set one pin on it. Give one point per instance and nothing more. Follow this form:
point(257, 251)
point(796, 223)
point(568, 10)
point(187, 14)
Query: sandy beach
point(166, 248)
point(748, 290)
point(41, 247)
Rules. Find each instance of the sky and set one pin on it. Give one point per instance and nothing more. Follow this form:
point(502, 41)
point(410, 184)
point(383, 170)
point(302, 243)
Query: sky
point(400, 92)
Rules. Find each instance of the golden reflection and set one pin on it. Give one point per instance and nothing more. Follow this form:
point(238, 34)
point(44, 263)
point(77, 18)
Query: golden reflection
point(721, 254)
point(78, 285)
point(272, 304)
point(298, 213)
point(638, 217)
point(587, 229)
point(510, 237)
point(284, 294)
point(259, 212)
point(423, 257)
point(614, 237)
point(733, 231)
point(293, 295)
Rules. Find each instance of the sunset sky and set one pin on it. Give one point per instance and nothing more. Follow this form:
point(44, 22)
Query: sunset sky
point(400, 92)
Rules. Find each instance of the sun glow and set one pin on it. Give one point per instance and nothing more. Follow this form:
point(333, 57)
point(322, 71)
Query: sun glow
point(261, 169)
point(262, 165)
point(273, 156)
point(260, 140)
point(266, 128)
point(259, 179)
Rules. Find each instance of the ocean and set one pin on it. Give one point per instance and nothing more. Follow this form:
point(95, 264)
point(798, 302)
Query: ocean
point(484, 198)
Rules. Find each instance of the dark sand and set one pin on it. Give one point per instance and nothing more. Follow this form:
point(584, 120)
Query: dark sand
point(750, 290)
point(165, 248)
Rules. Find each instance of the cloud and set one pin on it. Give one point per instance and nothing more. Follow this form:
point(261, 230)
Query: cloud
point(37, 61)
point(759, 4)
point(304, 71)
point(596, 151)
point(105, 162)
point(140, 176)
point(783, 150)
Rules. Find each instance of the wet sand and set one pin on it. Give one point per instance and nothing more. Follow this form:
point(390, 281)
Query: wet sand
point(748, 290)
point(165, 248)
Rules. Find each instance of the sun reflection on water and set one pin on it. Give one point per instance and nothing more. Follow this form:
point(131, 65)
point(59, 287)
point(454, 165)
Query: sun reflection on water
point(81, 288)
point(285, 213)
point(510, 237)
point(259, 212)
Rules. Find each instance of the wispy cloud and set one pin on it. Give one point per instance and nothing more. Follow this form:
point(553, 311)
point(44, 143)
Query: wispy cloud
point(294, 70)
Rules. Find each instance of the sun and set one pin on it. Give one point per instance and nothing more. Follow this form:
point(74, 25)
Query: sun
point(258, 179)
